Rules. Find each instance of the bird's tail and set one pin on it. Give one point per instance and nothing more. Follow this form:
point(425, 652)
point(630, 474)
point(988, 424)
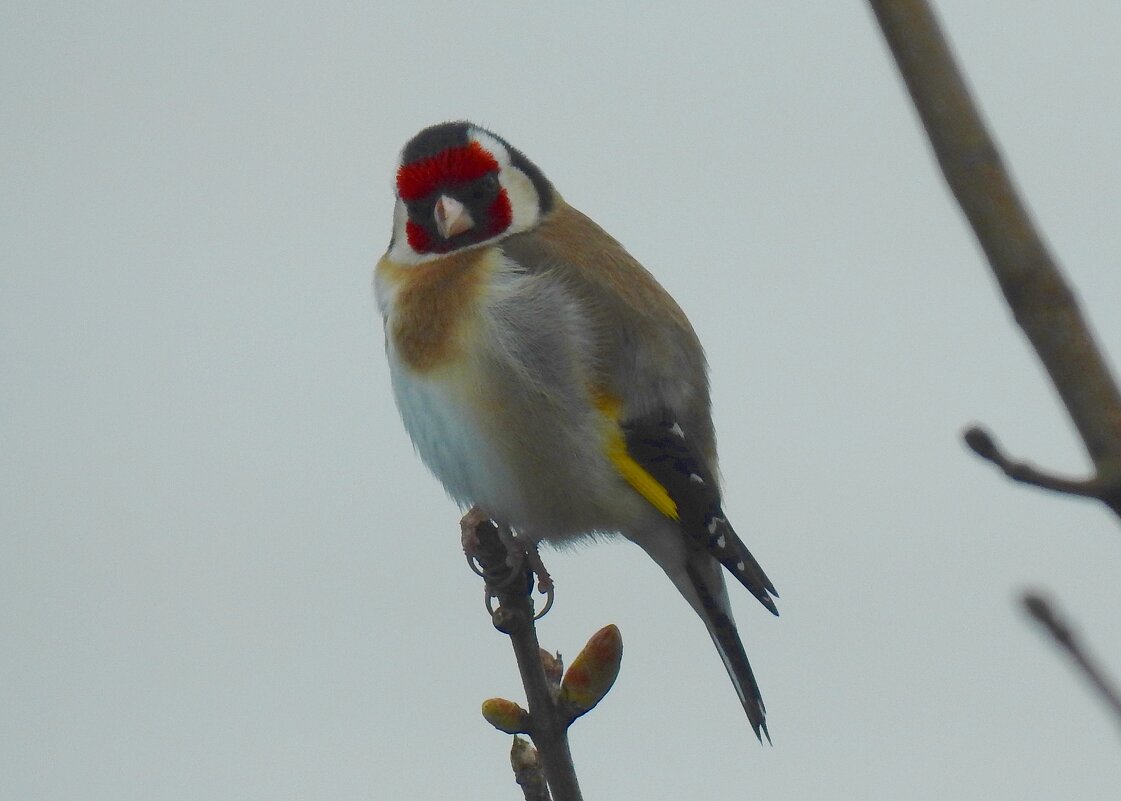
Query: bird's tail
point(707, 593)
point(699, 577)
point(693, 540)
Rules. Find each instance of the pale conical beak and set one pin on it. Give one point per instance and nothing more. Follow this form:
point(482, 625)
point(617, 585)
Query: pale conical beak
point(452, 217)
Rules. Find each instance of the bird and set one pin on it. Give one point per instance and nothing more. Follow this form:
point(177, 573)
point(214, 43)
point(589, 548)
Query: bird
point(549, 381)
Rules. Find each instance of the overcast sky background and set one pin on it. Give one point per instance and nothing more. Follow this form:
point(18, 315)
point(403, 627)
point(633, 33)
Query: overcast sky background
point(225, 575)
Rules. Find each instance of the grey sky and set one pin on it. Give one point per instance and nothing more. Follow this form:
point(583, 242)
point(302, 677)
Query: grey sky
point(225, 575)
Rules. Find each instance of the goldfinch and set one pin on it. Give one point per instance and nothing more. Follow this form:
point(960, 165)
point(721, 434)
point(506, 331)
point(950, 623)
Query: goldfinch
point(546, 378)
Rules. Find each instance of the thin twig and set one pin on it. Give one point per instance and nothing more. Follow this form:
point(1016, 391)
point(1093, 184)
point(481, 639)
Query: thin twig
point(527, 771)
point(981, 442)
point(1041, 301)
point(1047, 616)
point(514, 617)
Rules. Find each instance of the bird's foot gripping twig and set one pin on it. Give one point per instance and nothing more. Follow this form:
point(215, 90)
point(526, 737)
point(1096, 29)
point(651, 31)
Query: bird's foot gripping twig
point(523, 551)
point(502, 558)
point(469, 538)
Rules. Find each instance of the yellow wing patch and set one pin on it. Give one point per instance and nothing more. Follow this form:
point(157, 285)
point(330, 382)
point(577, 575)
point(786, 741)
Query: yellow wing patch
point(632, 472)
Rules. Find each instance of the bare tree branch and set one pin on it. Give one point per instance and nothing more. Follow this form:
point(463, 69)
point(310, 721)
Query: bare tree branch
point(1041, 301)
point(982, 443)
point(1045, 614)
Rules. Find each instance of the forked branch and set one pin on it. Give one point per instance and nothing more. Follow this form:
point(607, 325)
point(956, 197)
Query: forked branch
point(1041, 301)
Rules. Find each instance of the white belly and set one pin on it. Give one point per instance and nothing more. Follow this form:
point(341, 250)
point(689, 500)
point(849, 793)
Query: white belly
point(507, 423)
point(443, 424)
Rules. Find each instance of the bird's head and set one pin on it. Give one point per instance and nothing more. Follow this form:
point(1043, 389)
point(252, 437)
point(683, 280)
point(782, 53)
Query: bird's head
point(460, 186)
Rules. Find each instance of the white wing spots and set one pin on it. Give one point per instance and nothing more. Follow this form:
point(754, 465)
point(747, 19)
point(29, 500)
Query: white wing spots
point(676, 429)
point(721, 542)
point(696, 479)
point(740, 566)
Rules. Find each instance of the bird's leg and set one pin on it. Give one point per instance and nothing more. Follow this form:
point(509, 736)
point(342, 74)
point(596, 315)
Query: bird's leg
point(469, 538)
point(521, 552)
point(468, 530)
point(544, 580)
point(521, 547)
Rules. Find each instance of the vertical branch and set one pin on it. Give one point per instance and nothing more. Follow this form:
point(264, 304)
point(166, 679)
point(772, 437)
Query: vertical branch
point(514, 617)
point(1041, 301)
point(548, 729)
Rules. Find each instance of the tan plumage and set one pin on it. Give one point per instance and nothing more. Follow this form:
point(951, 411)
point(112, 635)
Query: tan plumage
point(545, 376)
point(433, 305)
point(646, 352)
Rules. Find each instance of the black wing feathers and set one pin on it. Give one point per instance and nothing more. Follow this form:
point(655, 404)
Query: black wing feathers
point(661, 446)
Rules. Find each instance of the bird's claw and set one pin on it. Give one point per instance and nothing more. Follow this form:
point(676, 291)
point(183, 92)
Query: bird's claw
point(522, 555)
point(469, 538)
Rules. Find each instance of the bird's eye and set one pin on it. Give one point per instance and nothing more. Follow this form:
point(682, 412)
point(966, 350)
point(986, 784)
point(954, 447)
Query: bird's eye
point(485, 187)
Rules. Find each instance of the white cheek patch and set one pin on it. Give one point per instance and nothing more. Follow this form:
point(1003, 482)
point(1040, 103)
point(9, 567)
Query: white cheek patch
point(400, 217)
point(402, 252)
point(525, 205)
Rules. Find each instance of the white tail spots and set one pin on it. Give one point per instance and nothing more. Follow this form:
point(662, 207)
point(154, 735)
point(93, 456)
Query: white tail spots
point(714, 524)
point(740, 566)
point(676, 429)
point(721, 542)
